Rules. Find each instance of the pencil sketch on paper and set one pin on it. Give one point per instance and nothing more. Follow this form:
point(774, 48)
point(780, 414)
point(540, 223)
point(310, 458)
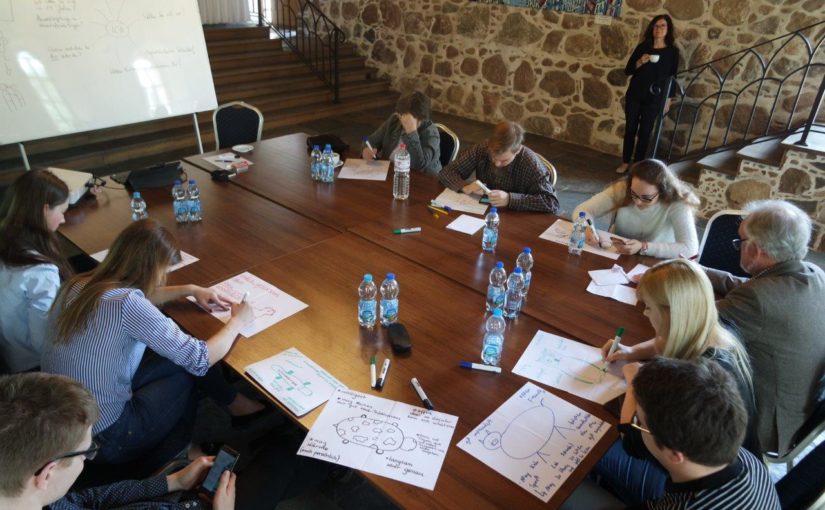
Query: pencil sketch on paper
point(540, 420)
point(382, 436)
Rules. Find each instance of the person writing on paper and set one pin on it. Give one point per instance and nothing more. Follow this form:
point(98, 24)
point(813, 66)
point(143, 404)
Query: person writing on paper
point(778, 312)
point(105, 320)
point(690, 418)
point(652, 208)
point(410, 125)
point(679, 303)
point(31, 265)
point(514, 174)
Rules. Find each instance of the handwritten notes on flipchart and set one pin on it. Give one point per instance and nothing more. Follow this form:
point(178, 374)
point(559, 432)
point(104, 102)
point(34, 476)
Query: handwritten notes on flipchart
point(270, 304)
point(570, 366)
point(535, 439)
point(380, 436)
point(296, 381)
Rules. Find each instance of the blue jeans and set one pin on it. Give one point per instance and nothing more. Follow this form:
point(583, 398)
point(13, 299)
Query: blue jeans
point(633, 480)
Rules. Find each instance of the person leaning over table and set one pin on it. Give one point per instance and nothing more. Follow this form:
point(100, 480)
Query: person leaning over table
point(410, 124)
point(515, 175)
point(778, 313)
point(141, 367)
point(652, 208)
point(679, 303)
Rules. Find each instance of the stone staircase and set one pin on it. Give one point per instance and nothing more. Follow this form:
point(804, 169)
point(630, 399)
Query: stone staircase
point(247, 65)
point(770, 167)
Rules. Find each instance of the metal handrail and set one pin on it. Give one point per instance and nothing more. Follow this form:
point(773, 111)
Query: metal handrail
point(311, 35)
point(734, 81)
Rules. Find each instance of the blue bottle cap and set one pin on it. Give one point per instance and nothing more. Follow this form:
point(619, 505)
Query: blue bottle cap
point(367, 277)
point(582, 214)
point(390, 276)
point(500, 265)
point(192, 181)
point(327, 146)
point(497, 312)
point(177, 182)
point(316, 147)
point(527, 250)
point(365, 138)
point(517, 270)
point(136, 194)
point(493, 210)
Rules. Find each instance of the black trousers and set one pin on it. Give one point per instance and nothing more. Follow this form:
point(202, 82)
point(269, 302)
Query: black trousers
point(639, 120)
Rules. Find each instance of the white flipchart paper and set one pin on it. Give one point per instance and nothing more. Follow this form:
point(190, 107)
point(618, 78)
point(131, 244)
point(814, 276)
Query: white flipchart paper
point(185, 259)
point(559, 232)
point(363, 169)
point(461, 202)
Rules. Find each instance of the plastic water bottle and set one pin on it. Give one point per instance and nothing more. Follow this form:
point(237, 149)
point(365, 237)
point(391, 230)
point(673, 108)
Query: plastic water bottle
point(367, 306)
point(179, 203)
point(389, 300)
point(495, 291)
point(513, 298)
point(577, 236)
point(315, 163)
point(138, 205)
point(401, 175)
point(489, 236)
point(194, 195)
point(327, 166)
point(493, 338)
point(525, 262)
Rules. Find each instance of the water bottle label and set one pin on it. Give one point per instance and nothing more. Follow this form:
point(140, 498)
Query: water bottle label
point(490, 237)
point(366, 311)
point(495, 296)
point(527, 279)
point(389, 310)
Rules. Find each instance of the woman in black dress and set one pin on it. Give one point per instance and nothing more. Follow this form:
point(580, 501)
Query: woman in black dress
point(651, 63)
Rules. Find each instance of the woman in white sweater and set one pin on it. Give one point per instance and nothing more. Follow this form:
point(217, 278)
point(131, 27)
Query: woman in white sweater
point(652, 208)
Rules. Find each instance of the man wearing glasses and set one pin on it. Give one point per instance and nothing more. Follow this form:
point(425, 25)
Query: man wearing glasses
point(690, 417)
point(45, 438)
point(778, 314)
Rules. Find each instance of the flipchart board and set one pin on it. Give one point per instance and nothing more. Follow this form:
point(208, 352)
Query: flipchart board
point(69, 66)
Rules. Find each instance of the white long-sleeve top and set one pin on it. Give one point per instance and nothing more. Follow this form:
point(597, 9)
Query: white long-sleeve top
point(669, 229)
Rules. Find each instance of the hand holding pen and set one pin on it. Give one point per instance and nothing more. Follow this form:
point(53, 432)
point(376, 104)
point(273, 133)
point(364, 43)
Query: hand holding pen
point(614, 351)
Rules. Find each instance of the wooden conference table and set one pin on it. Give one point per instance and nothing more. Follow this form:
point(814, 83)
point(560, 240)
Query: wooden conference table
point(248, 225)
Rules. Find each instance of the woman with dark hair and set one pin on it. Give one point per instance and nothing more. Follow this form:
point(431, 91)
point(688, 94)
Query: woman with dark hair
point(651, 207)
point(653, 60)
point(31, 265)
point(410, 125)
point(105, 320)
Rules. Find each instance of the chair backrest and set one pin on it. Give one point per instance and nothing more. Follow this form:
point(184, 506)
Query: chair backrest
point(449, 144)
point(550, 168)
point(235, 123)
point(716, 249)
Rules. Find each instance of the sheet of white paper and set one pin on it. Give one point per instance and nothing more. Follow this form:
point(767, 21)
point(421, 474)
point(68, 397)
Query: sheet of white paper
point(535, 439)
point(368, 170)
point(224, 161)
point(570, 366)
point(639, 270)
point(467, 224)
point(613, 276)
point(559, 232)
point(185, 259)
point(621, 293)
point(382, 437)
point(461, 202)
point(295, 380)
point(271, 304)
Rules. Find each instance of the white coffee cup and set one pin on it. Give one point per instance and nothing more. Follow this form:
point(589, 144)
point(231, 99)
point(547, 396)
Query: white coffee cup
point(654, 58)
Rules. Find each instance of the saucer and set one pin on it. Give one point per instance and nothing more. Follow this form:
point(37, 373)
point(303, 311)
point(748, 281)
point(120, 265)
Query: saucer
point(243, 148)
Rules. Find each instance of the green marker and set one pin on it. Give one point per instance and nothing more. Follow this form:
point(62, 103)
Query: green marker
point(411, 230)
point(616, 341)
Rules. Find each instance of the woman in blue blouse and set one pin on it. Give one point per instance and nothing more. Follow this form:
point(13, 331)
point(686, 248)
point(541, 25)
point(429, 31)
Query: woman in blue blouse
point(103, 324)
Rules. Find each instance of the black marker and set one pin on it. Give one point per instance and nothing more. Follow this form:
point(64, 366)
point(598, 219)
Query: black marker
point(423, 396)
point(383, 377)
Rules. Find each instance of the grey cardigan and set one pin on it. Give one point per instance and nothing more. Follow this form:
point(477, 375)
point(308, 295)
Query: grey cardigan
point(424, 144)
point(779, 317)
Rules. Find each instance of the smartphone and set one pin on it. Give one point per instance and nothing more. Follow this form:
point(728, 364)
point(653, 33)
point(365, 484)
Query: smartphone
point(484, 200)
point(225, 460)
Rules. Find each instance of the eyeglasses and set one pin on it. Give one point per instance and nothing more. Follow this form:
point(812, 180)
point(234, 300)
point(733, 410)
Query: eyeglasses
point(89, 454)
point(643, 198)
point(635, 424)
point(737, 243)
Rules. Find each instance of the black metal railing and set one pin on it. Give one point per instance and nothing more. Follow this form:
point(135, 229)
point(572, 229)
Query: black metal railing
point(762, 91)
point(310, 34)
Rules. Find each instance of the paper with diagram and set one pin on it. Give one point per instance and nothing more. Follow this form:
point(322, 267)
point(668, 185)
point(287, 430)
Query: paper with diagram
point(570, 366)
point(368, 170)
point(535, 439)
point(380, 436)
point(559, 232)
point(271, 305)
point(461, 202)
point(296, 381)
point(185, 259)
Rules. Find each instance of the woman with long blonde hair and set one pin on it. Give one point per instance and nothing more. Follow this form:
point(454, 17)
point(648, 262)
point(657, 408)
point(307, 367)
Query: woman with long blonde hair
point(140, 366)
point(680, 305)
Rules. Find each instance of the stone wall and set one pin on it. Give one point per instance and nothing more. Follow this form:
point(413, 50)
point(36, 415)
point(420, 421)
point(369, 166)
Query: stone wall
point(560, 75)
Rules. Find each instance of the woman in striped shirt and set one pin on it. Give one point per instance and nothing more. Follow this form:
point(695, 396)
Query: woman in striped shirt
point(103, 323)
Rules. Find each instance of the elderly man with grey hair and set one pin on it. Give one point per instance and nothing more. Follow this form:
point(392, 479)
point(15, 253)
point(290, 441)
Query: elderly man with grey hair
point(779, 314)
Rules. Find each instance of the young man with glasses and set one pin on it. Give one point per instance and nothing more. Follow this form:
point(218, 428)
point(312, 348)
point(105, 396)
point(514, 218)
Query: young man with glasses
point(777, 313)
point(691, 419)
point(45, 438)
